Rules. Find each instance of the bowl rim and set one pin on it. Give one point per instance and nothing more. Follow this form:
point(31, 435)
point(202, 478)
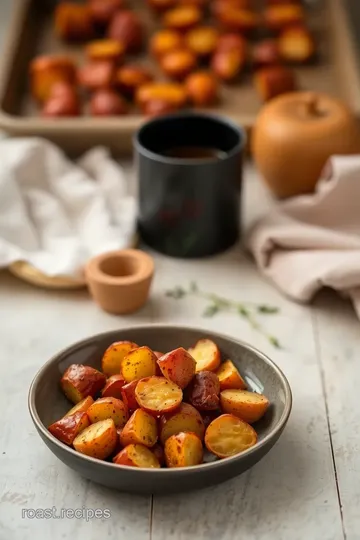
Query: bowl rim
point(214, 465)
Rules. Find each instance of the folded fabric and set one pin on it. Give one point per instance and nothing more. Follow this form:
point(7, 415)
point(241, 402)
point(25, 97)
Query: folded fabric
point(313, 241)
point(55, 214)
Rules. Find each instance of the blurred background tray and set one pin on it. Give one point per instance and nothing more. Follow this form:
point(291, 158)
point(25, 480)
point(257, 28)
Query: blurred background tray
point(31, 33)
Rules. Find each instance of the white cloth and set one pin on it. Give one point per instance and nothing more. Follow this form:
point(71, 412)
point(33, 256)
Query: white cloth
point(55, 214)
point(313, 241)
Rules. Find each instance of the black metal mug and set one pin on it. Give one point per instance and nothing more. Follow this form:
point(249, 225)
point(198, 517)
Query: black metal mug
point(189, 207)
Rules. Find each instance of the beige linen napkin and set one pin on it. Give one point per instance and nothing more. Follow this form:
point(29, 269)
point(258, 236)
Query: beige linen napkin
point(313, 241)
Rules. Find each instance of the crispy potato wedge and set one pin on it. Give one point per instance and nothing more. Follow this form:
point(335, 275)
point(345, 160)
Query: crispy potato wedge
point(114, 355)
point(137, 455)
point(185, 418)
point(203, 392)
point(157, 395)
point(46, 71)
point(138, 364)
point(229, 377)
point(82, 406)
point(113, 387)
point(177, 366)
point(158, 451)
point(98, 440)
point(128, 395)
point(249, 406)
point(206, 355)
point(80, 381)
point(69, 427)
point(108, 407)
point(141, 428)
point(183, 450)
point(228, 435)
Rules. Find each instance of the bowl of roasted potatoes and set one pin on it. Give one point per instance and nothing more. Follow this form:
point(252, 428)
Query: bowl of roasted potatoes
point(159, 408)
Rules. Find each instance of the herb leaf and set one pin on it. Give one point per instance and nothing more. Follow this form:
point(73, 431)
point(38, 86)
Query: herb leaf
point(211, 310)
point(176, 293)
point(264, 308)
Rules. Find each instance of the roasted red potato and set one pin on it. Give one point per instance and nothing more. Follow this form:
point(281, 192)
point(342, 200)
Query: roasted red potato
point(69, 427)
point(105, 49)
point(98, 440)
point(137, 455)
point(158, 107)
point(177, 366)
point(141, 428)
point(202, 88)
point(96, 75)
point(249, 406)
point(230, 42)
point(80, 381)
point(157, 395)
point(130, 77)
point(128, 395)
point(209, 416)
point(182, 18)
point(202, 40)
point(185, 418)
point(296, 45)
point(159, 453)
point(46, 71)
point(201, 4)
point(206, 355)
point(172, 93)
point(158, 354)
point(266, 53)
point(229, 377)
point(227, 65)
point(183, 450)
point(107, 102)
point(113, 387)
point(227, 435)
point(127, 28)
point(73, 21)
point(178, 64)
point(238, 20)
point(114, 355)
point(63, 101)
point(102, 11)
point(220, 5)
point(278, 17)
point(273, 81)
point(161, 5)
point(203, 392)
point(82, 406)
point(108, 407)
point(165, 41)
point(138, 363)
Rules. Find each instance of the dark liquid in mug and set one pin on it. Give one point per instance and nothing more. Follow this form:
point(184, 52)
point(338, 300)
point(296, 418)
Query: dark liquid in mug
point(194, 152)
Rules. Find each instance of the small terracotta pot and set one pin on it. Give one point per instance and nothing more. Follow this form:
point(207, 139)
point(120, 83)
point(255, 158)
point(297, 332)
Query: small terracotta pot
point(119, 281)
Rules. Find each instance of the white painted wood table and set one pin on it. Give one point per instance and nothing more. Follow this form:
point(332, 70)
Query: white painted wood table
point(307, 487)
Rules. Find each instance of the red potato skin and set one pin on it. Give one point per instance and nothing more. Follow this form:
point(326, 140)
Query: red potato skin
point(113, 387)
point(128, 395)
point(185, 410)
point(87, 380)
point(126, 27)
point(204, 390)
point(66, 429)
point(178, 366)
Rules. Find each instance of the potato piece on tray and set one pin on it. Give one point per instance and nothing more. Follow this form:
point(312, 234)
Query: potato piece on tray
point(177, 366)
point(98, 440)
point(80, 381)
point(114, 355)
point(229, 377)
point(137, 455)
point(206, 355)
point(69, 427)
point(228, 435)
point(183, 450)
point(138, 364)
point(141, 428)
point(157, 395)
point(248, 406)
point(108, 407)
point(186, 418)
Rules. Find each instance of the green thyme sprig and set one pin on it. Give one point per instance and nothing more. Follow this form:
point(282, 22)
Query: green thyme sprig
point(217, 304)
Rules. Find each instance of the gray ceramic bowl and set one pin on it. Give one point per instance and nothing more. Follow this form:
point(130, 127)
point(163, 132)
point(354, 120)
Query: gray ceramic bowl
point(47, 404)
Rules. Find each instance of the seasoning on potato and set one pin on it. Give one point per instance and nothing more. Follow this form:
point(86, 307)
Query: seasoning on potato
point(157, 395)
point(177, 366)
point(108, 407)
point(67, 428)
point(249, 406)
point(137, 455)
point(46, 71)
point(105, 49)
point(229, 377)
point(114, 355)
point(185, 418)
point(206, 355)
point(138, 363)
point(98, 440)
point(80, 381)
point(183, 450)
point(227, 435)
point(141, 428)
point(82, 406)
